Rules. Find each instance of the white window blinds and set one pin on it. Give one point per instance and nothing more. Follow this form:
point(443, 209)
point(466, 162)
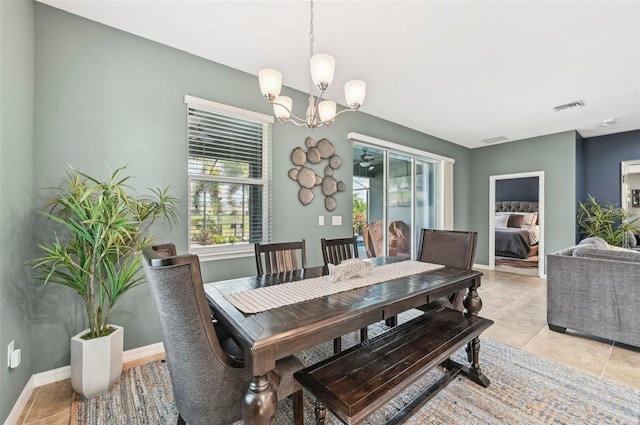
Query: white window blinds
point(229, 166)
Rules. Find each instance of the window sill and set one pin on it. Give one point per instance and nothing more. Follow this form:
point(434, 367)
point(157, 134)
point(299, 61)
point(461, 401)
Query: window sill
point(226, 253)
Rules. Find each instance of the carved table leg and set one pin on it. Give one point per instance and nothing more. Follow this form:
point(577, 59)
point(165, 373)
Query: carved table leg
point(259, 402)
point(321, 413)
point(472, 305)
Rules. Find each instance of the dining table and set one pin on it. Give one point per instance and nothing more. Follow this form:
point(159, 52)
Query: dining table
point(275, 333)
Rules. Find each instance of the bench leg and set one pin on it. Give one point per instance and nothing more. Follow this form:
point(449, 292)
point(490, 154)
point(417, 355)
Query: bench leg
point(321, 413)
point(473, 372)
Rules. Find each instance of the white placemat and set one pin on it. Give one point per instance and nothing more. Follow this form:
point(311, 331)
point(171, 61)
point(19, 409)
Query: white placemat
point(263, 299)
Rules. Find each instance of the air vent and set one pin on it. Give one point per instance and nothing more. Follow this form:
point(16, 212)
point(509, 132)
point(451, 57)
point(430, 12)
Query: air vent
point(576, 104)
point(495, 139)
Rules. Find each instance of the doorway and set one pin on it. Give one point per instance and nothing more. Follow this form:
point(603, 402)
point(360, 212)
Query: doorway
point(497, 181)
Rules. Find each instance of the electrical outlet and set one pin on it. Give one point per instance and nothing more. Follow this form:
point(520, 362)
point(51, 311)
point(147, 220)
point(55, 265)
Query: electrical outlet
point(9, 351)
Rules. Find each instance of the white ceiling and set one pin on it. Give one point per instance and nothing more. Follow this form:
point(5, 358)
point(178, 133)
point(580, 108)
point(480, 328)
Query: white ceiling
point(463, 71)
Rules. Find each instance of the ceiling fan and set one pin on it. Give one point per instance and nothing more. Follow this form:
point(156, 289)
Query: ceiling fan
point(366, 160)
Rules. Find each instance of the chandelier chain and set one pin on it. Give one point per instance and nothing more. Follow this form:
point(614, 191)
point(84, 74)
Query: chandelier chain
point(311, 37)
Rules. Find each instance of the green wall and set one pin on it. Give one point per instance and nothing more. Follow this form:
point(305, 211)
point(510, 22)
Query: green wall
point(107, 97)
point(16, 191)
point(103, 97)
point(554, 154)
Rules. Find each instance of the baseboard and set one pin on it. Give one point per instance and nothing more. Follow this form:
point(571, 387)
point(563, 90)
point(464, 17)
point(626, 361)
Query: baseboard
point(21, 403)
point(61, 373)
point(481, 267)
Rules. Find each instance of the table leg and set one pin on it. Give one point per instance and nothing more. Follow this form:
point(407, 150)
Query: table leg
point(472, 305)
point(259, 402)
point(320, 413)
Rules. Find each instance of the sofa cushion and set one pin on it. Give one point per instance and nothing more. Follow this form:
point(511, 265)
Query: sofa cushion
point(597, 242)
point(606, 254)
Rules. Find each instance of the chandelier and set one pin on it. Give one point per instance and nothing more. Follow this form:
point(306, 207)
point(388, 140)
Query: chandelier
point(319, 112)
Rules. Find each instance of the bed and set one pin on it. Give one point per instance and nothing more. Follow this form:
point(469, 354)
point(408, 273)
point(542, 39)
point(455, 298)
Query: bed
point(516, 229)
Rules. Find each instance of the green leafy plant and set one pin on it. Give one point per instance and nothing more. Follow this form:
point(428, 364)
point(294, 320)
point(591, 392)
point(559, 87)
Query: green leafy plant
point(103, 230)
point(611, 223)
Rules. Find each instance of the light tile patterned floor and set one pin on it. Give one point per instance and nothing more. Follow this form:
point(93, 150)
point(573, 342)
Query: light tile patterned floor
point(517, 304)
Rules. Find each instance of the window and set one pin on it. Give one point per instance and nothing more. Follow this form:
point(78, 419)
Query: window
point(229, 166)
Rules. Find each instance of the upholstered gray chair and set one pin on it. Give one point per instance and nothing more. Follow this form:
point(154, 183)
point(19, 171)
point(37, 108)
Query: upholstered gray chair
point(453, 248)
point(208, 384)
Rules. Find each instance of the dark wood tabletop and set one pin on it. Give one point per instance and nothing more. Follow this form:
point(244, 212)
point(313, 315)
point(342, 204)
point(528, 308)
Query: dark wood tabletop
point(274, 334)
point(287, 330)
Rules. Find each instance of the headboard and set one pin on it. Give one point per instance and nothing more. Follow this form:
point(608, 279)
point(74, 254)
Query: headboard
point(516, 206)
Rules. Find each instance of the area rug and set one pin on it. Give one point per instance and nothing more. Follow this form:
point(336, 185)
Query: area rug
point(525, 389)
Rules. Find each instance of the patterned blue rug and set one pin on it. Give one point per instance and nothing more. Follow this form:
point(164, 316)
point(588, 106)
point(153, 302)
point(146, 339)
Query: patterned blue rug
point(525, 389)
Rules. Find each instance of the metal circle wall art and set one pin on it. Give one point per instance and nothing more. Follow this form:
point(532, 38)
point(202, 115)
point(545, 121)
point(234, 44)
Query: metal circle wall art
point(306, 176)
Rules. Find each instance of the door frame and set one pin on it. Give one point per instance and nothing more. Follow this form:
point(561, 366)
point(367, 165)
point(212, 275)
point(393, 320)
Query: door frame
point(492, 221)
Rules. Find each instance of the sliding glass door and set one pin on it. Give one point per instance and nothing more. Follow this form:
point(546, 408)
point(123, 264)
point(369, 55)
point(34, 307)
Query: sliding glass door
point(394, 198)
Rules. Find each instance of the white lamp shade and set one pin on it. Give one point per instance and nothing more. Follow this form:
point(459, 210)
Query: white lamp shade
point(354, 92)
point(280, 106)
point(327, 110)
point(270, 83)
point(322, 67)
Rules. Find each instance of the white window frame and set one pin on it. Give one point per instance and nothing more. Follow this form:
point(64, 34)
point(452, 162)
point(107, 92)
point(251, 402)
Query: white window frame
point(229, 251)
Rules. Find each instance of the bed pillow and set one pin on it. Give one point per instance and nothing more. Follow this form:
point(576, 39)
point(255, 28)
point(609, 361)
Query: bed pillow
point(529, 219)
point(501, 221)
point(515, 220)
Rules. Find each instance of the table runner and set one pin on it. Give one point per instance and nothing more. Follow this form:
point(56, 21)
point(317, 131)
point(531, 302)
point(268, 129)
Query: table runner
point(263, 299)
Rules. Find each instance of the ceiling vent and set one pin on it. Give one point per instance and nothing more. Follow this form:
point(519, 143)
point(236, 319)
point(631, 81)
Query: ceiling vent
point(495, 139)
point(576, 104)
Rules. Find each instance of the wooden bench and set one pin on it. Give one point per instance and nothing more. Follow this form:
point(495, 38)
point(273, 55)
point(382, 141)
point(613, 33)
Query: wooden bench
point(356, 382)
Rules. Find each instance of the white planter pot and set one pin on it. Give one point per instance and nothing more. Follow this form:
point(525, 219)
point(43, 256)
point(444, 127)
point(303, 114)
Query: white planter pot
point(96, 363)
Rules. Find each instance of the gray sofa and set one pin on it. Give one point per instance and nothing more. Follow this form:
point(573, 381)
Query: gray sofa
point(595, 291)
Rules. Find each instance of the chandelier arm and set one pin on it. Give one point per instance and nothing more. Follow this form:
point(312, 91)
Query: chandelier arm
point(329, 121)
point(273, 102)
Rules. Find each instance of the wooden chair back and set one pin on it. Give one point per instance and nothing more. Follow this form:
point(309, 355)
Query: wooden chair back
point(454, 248)
point(280, 257)
point(334, 251)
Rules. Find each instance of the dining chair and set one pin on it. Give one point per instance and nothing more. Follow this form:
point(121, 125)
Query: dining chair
point(454, 248)
point(208, 384)
point(334, 251)
point(280, 257)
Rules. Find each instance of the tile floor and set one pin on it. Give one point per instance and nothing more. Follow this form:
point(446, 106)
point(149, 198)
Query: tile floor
point(517, 304)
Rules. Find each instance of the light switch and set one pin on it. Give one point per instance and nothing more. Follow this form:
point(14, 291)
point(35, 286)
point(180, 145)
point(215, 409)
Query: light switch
point(321, 220)
point(336, 220)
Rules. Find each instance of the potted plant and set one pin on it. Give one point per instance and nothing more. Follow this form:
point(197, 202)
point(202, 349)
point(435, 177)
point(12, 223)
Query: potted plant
point(97, 253)
point(611, 223)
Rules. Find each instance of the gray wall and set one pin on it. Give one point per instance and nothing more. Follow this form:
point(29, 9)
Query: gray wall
point(559, 179)
point(107, 97)
point(520, 189)
point(16, 183)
